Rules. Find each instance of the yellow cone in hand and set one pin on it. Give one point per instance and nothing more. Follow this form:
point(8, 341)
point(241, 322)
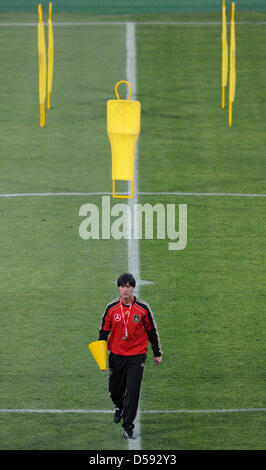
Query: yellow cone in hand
point(123, 128)
point(99, 351)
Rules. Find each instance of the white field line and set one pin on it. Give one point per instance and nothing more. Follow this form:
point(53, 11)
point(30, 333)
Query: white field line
point(140, 193)
point(133, 244)
point(139, 23)
point(92, 411)
point(176, 193)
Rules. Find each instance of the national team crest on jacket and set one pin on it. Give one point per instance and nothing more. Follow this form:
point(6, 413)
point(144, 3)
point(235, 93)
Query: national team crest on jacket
point(140, 323)
point(136, 318)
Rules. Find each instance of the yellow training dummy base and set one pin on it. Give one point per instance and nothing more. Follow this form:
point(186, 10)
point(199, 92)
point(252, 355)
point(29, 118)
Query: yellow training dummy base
point(99, 351)
point(123, 128)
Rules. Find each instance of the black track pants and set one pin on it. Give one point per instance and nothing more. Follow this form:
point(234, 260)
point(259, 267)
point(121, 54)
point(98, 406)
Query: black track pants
point(126, 373)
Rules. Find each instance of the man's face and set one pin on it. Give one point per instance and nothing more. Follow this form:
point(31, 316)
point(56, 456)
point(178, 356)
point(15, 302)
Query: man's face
point(126, 292)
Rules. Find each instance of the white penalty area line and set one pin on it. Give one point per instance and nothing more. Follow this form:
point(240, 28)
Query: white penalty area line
point(140, 193)
point(95, 411)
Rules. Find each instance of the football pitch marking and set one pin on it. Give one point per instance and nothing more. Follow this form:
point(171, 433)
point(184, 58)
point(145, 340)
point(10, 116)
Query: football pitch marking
point(140, 193)
point(133, 245)
point(139, 23)
point(84, 411)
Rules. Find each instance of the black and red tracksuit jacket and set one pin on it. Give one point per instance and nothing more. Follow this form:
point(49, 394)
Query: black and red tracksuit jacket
point(140, 325)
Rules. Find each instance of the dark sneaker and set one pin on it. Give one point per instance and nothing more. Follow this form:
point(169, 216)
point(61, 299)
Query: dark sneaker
point(118, 415)
point(129, 434)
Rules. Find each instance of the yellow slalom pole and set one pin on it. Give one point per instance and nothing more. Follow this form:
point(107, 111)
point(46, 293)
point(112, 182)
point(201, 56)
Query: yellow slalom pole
point(230, 114)
point(232, 86)
point(50, 56)
point(42, 66)
point(224, 54)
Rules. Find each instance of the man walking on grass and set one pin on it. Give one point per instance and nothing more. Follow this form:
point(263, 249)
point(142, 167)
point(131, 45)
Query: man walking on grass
point(131, 324)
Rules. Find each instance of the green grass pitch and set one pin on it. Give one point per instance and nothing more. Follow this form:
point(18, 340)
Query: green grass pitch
point(208, 299)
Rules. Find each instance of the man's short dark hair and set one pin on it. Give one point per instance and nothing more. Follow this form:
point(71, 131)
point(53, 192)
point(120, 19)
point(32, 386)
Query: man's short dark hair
point(126, 278)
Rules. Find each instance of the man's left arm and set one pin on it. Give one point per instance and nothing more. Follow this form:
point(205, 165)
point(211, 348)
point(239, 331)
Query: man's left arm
point(154, 337)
